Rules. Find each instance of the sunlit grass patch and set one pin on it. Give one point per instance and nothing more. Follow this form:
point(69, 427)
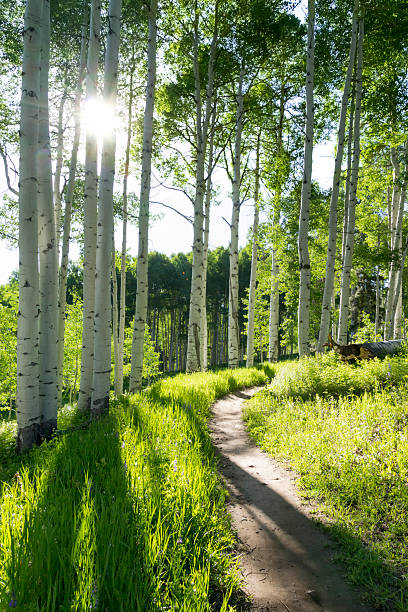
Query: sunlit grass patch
point(128, 514)
point(352, 455)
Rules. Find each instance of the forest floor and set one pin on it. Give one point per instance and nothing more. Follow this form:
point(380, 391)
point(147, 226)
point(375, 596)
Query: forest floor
point(286, 560)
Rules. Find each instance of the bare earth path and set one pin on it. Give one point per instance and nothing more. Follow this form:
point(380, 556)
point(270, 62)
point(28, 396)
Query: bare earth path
point(285, 559)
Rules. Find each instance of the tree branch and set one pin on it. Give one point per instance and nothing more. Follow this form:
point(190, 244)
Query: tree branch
point(186, 217)
point(6, 171)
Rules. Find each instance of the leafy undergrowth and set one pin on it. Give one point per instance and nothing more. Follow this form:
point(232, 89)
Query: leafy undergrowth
point(351, 452)
point(126, 515)
point(327, 375)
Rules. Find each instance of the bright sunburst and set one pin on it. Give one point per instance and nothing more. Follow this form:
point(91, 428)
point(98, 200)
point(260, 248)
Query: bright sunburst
point(98, 118)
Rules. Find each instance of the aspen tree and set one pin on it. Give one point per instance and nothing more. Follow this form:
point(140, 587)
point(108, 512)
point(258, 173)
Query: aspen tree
point(102, 344)
point(349, 244)
point(122, 306)
point(66, 234)
point(204, 327)
point(194, 339)
point(90, 215)
point(273, 344)
point(332, 237)
point(28, 409)
point(58, 167)
point(394, 301)
point(139, 326)
point(304, 259)
point(233, 305)
point(254, 264)
point(47, 243)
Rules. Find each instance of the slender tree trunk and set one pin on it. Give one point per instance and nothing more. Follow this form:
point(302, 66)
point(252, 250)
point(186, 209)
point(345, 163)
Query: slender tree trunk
point(204, 331)
point(47, 243)
point(303, 241)
point(377, 293)
point(90, 216)
point(395, 220)
point(254, 265)
point(121, 338)
point(102, 346)
point(142, 258)
point(58, 167)
point(348, 174)
point(398, 288)
point(195, 336)
point(273, 332)
point(349, 245)
point(115, 321)
point(332, 239)
point(273, 348)
point(233, 305)
point(27, 400)
point(63, 272)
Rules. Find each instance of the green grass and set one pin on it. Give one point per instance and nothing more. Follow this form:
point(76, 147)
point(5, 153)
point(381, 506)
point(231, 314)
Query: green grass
point(126, 515)
point(344, 429)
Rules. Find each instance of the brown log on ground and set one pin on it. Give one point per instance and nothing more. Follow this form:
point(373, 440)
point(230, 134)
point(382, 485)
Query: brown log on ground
point(365, 350)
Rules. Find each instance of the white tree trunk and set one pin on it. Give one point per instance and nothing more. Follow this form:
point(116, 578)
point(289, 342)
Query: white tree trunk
point(303, 242)
point(204, 327)
point(47, 243)
point(395, 222)
point(349, 244)
point(58, 167)
point(143, 248)
point(122, 312)
point(332, 238)
point(195, 336)
point(28, 409)
point(398, 294)
point(254, 265)
point(115, 318)
point(102, 346)
point(90, 217)
point(63, 272)
point(273, 346)
point(377, 293)
point(204, 330)
point(233, 304)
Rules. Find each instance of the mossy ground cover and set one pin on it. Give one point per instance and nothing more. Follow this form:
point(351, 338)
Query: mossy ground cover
point(345, 430)
point(127, 514)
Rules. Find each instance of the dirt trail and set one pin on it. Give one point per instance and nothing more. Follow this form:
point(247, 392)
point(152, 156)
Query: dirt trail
point(285, 559)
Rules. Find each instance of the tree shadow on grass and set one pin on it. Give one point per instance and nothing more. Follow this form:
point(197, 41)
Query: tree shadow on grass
point(80, 546)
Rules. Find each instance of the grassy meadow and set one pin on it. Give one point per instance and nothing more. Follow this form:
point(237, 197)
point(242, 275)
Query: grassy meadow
point(344, 429)
point(127, 514)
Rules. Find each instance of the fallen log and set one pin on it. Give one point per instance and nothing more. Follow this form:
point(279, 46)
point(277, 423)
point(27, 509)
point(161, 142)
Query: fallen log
point(365, 350)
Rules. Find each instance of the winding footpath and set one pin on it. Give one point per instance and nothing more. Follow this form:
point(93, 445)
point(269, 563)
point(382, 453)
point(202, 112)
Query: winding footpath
point(286, 561)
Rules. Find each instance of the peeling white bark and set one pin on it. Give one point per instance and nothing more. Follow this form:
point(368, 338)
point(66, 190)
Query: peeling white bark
point(142, 257)
point(303, 246)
